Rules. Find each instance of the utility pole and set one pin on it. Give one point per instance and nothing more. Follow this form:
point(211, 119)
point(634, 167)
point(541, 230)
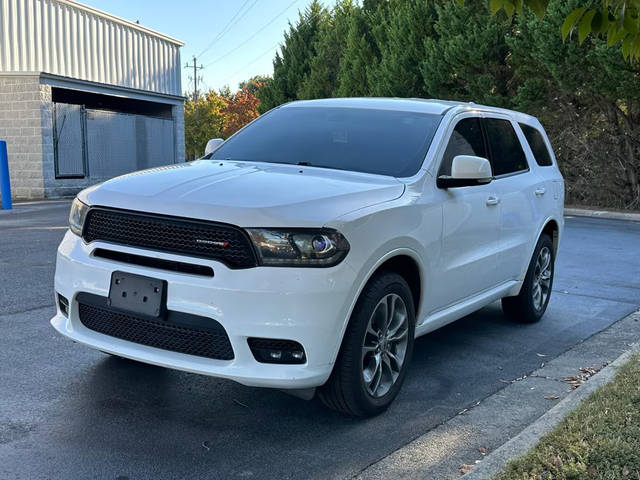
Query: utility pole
point(195, 76)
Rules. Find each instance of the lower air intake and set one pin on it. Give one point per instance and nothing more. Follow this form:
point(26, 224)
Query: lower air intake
point(210, 343)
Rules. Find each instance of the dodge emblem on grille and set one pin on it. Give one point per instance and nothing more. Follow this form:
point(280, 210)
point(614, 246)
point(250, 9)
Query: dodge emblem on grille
point(212, 242)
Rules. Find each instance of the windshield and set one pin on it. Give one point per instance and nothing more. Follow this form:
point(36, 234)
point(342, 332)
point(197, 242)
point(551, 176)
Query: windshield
point(384, 142)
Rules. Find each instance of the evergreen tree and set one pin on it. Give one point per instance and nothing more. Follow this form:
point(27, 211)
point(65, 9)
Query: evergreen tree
point(293, 63)
point(361, 51)
point(398, 73)
point(589, 97)
point(467, 58)
point(322, 81)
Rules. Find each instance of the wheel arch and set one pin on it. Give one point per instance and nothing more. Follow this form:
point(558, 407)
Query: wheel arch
point(404, 261)
point(552, 229)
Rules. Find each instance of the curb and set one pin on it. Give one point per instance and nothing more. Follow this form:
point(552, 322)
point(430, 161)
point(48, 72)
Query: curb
point(477, 437)
point(495, 462)
point(582, 212)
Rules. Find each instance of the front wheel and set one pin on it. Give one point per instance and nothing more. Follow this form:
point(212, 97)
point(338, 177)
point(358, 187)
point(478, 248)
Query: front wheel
point(376, 349)
point(529, 306)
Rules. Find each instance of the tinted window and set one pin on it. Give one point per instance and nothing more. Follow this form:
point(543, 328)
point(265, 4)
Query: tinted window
point(466, 139)
point(507, 155)
point(364, 140)
point(538, 147)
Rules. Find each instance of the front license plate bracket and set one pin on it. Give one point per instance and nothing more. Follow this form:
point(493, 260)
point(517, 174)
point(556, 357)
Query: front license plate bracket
point(137, 294)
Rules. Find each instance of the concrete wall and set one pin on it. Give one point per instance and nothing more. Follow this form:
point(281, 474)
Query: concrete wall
point(178, 115)
point(21, 111)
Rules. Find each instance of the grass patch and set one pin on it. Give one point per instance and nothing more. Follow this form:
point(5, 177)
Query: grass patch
point(598, 440)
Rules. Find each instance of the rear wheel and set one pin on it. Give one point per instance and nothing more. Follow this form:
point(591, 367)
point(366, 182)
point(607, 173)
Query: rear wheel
point(529, 306)
point(375, 351)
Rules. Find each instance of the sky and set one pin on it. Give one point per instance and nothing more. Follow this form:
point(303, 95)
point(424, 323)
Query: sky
point(233, 39)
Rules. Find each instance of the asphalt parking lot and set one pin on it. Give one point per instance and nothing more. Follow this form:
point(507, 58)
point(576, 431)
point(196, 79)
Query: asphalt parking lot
point(67, 411)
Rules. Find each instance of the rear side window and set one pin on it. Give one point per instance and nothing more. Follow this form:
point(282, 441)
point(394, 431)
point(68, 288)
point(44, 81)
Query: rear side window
point(538, 147)
point(466, 139)
point(507, 155)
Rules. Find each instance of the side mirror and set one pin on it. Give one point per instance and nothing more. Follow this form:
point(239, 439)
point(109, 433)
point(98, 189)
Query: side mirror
point(466, 171)
point(212, 145)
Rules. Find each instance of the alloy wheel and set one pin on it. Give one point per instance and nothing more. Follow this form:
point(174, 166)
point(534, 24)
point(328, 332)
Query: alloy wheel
point(542, 279)
point(384, 345)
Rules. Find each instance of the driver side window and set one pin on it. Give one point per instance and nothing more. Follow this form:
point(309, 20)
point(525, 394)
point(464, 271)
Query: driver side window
point(466, 139)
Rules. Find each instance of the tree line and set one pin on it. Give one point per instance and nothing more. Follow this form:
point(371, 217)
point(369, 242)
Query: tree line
point(586, 94)
point(583, 90)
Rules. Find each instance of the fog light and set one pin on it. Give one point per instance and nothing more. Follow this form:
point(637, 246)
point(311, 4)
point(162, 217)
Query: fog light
point(275, 354)
point(270, 350)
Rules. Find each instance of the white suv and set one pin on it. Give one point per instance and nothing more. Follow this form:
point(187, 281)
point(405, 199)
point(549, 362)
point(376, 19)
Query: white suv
point(310, 249)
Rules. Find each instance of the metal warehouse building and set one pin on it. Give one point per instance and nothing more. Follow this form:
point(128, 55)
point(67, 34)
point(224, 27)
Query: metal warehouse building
point(84, 96)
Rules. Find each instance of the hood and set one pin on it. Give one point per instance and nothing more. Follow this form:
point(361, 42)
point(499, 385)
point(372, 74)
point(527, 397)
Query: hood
point(246, 194)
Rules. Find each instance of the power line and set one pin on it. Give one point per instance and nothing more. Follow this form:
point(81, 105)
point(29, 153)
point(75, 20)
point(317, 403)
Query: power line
point(259, 57)
point(228, 26)
point(252, 36)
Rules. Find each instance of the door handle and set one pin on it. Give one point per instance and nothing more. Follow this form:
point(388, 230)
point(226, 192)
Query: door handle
point(540, 192)
point(493, 200)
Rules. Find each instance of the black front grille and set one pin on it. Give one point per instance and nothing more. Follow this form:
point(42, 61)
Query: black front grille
point(222, 242)
point(212, 342)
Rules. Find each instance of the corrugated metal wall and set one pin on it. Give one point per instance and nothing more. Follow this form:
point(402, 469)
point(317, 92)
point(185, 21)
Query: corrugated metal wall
point(63, 38)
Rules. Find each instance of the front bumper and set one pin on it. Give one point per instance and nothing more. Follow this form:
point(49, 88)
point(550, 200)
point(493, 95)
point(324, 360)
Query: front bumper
point(307, 305)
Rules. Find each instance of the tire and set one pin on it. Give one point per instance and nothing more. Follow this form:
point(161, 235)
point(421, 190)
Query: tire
point(529, 306)
point(366, 378)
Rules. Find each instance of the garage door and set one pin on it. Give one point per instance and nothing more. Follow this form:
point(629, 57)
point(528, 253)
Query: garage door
point(100, 144)
point(119, 143)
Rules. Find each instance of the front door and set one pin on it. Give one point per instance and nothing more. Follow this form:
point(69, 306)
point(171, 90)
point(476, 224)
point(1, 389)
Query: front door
point(471, 225)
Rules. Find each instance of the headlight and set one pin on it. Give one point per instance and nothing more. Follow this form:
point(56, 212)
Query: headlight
point(77, 216)
point(299, 247)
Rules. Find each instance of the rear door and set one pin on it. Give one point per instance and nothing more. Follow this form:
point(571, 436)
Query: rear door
point(516, 185)
point(550, 191)
point(471, 217)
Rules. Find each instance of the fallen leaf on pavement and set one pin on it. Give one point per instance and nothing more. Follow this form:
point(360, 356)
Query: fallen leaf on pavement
point(464, 468)
point(551, 397)
point(585, 373)
point(505, 381)
point(540, 355)
point(483, 450)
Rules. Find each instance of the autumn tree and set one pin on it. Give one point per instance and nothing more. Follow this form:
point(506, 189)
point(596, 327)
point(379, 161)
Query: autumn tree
point(240, 109)
point(204, 119)
point(217, 115)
